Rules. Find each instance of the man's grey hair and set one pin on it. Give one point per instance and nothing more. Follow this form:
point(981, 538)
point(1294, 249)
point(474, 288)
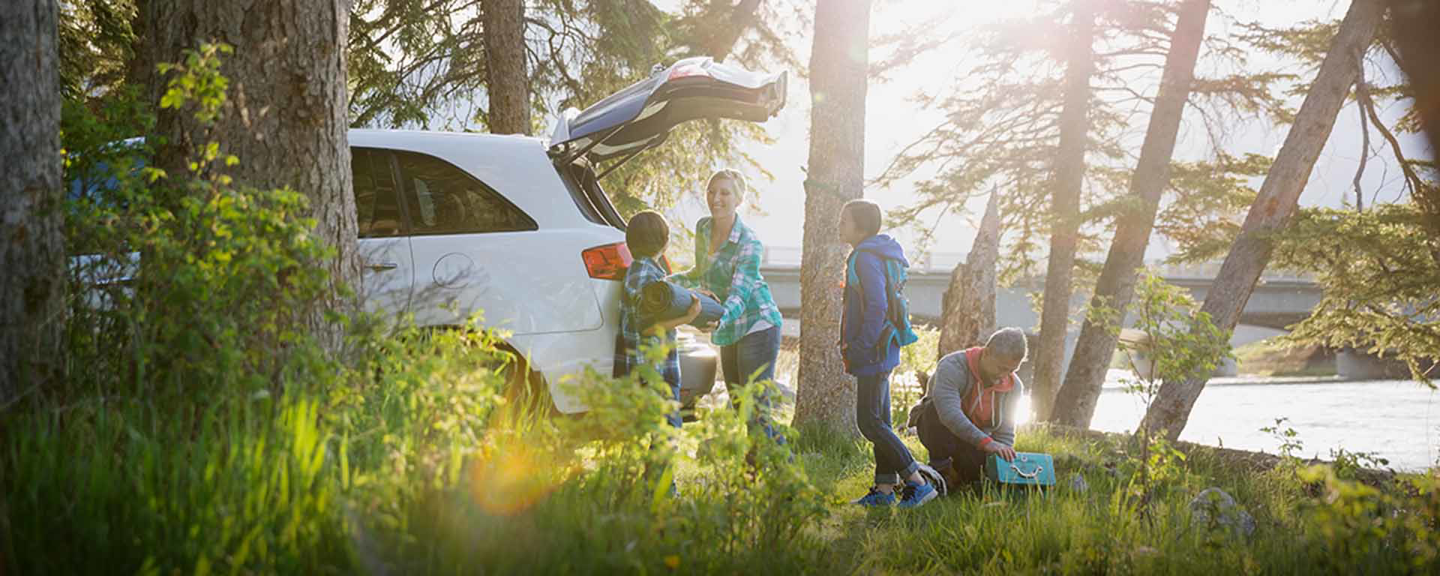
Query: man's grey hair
point(1008, 343)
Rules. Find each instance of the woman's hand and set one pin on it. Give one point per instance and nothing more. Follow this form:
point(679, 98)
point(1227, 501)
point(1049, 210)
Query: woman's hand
point(709, 293)
point(1005, 452)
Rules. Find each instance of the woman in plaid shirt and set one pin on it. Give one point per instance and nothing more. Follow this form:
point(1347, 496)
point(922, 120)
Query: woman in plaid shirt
point(727, 266)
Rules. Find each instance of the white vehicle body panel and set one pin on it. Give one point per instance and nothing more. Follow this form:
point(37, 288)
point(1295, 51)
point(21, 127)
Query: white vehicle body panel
point(531, 284)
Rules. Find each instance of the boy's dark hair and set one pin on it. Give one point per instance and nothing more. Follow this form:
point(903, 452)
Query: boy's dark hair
point(865, 214)
point(647, 234)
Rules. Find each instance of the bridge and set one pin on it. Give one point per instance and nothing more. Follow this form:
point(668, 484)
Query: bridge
point(1279, 300)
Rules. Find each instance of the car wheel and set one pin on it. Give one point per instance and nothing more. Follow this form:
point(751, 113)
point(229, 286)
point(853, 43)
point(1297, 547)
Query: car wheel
point(525, 389)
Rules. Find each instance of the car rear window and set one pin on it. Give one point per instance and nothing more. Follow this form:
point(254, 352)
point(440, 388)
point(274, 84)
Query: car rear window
point(444, 199)
point(588, 196)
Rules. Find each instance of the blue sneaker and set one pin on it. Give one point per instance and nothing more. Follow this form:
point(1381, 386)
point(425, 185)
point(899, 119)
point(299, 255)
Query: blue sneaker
point(875, 498)
point(916, 495)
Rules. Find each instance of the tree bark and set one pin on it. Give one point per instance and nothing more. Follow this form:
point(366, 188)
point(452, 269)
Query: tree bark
point(1275, 203)
point(1075, 403)
point(1414, 23)
point(285, 118)
point(1065, 182)
point(508, 83)
point(32, 240)
point(836, 174)
point(968, 309)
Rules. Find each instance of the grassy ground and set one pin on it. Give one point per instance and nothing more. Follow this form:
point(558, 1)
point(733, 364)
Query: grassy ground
point(419, 466)
point(1101, 530)
point(1114, 526)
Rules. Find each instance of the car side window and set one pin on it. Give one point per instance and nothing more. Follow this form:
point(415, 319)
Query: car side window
point(444, 199)
point(377, 205)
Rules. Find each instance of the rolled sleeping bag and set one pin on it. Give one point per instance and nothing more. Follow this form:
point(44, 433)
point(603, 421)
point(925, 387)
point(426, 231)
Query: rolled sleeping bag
point(664, 300)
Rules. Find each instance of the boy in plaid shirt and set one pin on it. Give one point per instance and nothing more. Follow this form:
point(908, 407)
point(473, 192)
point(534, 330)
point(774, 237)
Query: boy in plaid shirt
point(647, 236)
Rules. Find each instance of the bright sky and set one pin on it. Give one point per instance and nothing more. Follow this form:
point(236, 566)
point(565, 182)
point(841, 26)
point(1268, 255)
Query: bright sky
point(893, 121)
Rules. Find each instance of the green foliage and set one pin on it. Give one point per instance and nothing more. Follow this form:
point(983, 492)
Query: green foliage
point(1178, 340)
point(1288, 440)
point(1379, 275)
point(97, 45)
point(1356, 525)
point(193, 286)
point(1001, 126)
point(1175, 341)
point(916, 359)
point(1210, 201)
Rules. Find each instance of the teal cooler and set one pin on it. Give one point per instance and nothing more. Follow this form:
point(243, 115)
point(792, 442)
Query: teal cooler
point(1028, 469)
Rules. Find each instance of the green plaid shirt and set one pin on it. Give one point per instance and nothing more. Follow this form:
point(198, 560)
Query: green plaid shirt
point(733, 274)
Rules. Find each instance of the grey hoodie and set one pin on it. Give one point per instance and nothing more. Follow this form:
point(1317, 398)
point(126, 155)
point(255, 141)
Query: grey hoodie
point(952, 381)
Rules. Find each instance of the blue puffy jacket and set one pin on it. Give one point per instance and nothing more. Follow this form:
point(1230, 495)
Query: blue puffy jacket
point(860, 335)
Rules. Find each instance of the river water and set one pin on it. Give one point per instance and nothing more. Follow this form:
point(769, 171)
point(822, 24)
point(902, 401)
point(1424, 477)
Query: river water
point(1396, 420)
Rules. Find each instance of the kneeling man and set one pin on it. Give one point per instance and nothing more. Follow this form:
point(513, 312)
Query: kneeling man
point(970, 410)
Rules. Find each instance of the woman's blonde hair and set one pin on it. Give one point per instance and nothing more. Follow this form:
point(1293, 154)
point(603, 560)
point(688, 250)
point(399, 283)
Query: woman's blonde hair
point(733, 176)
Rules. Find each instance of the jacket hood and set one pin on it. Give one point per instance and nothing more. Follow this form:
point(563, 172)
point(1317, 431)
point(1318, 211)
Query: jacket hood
point(884, 246)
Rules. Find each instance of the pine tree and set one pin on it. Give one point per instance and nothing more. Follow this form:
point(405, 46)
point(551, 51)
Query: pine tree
point(32, 244)
point(285, 116)
point(506, 80)
point(825, 394)
point(1275, 204)
point(1075, 403)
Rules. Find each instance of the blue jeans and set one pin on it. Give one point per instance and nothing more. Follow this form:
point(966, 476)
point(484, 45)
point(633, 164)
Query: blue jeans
point(893, 460)
point(674, 417)
point(754, 352)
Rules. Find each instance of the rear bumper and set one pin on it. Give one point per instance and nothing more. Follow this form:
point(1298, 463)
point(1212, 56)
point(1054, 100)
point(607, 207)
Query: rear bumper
point(562, 359)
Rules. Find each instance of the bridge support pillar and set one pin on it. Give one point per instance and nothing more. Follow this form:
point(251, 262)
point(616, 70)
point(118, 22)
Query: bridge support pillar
point(1352, 364)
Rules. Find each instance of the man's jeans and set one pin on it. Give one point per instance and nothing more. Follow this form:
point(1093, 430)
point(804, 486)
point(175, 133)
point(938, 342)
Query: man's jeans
point(738, 361)
point(893, 460)
point(960, 461)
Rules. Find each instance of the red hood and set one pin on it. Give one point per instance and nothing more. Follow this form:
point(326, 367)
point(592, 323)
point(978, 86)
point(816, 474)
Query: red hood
point(972, 358)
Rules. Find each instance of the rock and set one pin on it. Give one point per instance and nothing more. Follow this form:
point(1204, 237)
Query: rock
point(1078, 484)
point(1215, 508)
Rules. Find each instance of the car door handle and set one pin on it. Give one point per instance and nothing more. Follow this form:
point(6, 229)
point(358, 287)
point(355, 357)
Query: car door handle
point(383, 266)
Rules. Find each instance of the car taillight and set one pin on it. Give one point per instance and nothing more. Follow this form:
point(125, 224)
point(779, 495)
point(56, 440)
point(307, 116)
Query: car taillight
point(687, 71)
point(607, 262)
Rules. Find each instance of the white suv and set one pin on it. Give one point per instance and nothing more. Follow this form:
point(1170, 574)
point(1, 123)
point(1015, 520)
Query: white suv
point(519, 228)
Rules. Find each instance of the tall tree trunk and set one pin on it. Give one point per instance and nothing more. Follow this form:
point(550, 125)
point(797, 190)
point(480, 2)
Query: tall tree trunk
point(1275, 203)
point(32, 240)
point(1075, 403)
point(508, 84)
point(1415, 22)
point(1065, 185)
point(285, 119)
point(967, 314)
point(836, 174)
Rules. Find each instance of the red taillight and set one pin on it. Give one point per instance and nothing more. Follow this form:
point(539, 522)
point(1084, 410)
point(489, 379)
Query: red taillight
point(687, 71)
point(607, 262)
